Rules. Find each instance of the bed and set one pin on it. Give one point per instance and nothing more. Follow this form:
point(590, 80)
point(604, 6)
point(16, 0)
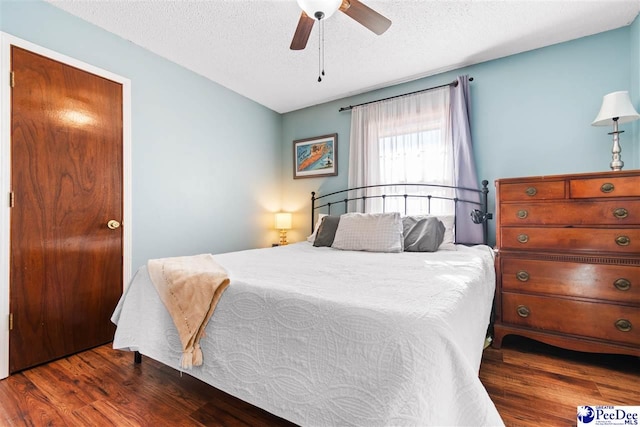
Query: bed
point(324, 337)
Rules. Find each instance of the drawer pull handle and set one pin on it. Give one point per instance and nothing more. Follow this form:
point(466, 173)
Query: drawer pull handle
point(620, 213)
point(531, 191)
point(623, 325)
point(623, 241)
point(522, 276)
point(607, 187)
point(622, 284)
point(522, 214)
point(523, 238)
point(523, 311)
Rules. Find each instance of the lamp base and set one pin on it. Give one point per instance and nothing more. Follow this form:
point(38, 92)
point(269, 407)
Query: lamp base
point(616, 159)
point(283, 238)
point(616, 165)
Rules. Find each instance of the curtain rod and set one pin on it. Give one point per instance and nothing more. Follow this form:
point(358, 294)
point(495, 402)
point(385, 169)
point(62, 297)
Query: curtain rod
point(453, 83)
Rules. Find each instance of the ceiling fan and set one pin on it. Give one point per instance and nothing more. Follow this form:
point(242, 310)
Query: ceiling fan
point(318, 10)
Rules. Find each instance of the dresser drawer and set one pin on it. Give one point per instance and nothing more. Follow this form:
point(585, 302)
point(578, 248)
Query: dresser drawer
point(618, 213)
point(575, 239)
point(628, 186)
point(615, 283)
point(596, 320)
point(532, 191)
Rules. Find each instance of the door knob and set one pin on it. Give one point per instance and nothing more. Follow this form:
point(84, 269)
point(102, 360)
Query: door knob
point(113, 224)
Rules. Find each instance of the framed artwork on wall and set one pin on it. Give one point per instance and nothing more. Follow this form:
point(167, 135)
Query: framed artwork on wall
point(314, 157)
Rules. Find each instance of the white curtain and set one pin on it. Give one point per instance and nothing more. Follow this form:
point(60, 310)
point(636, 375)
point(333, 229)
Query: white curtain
point(403, 140)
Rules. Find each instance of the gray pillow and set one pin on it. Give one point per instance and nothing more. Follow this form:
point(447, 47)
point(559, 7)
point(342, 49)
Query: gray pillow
point(422, 234)
point(327, 231)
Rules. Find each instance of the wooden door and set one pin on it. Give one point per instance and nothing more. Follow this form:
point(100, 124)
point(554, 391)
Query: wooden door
point(66, 177)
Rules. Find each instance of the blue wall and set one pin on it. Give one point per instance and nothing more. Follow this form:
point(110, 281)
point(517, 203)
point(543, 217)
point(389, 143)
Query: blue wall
point(634, 56)
point(531, 115)
point(203, 180)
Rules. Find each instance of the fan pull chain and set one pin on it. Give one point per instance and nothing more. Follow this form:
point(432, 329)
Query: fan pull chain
point(321, 51)
point(319, 16)
point(323, 48)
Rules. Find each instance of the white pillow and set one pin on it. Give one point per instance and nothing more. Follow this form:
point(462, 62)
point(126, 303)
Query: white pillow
point(448, 243)
point(312, 237)
point(369, 232)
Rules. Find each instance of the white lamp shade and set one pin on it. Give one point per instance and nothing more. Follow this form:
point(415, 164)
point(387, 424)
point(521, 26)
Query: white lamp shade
point(328, 7)
point(616, 104)
point(283, 221)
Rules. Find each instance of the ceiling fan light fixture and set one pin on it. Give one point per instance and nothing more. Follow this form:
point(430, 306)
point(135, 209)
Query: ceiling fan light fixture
point(326, 7)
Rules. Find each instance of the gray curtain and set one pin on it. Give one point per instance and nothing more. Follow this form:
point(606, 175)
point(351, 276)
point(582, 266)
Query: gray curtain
point(464, 165)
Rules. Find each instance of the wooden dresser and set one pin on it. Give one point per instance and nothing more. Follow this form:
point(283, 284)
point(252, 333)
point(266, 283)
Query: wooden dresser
point(568, 264)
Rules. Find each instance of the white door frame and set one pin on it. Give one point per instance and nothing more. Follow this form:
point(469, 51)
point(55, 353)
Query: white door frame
point(6, 41)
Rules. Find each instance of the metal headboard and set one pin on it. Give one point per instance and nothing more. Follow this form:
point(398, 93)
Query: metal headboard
point(479, 215)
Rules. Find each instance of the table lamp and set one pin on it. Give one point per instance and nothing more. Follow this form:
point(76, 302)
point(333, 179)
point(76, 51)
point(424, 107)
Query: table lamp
point(616, 108)
point(283, 223)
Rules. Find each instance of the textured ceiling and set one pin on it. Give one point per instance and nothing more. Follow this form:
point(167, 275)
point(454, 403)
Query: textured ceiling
point(244, 44)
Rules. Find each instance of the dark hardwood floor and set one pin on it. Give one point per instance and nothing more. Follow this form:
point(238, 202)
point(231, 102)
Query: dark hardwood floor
point(534, 384)
point(530, 383)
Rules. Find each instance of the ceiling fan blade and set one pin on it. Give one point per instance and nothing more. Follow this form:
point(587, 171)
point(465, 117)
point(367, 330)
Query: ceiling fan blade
point(365, 16)
point(301, 36)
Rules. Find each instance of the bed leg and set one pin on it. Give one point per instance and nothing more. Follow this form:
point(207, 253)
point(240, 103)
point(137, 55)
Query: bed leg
point(137, 357)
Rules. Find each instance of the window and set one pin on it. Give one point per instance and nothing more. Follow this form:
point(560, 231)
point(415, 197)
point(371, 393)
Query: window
point(407, 140)
point(417, 158)
point(423, 137)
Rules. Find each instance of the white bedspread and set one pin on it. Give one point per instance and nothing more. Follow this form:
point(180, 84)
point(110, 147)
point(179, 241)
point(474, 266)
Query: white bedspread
point(324, 337)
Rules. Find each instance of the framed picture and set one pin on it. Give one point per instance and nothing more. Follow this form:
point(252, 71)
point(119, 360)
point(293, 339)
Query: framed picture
point(314, 157)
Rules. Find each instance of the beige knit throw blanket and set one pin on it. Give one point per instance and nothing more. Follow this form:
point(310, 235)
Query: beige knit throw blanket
point(190, 287)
